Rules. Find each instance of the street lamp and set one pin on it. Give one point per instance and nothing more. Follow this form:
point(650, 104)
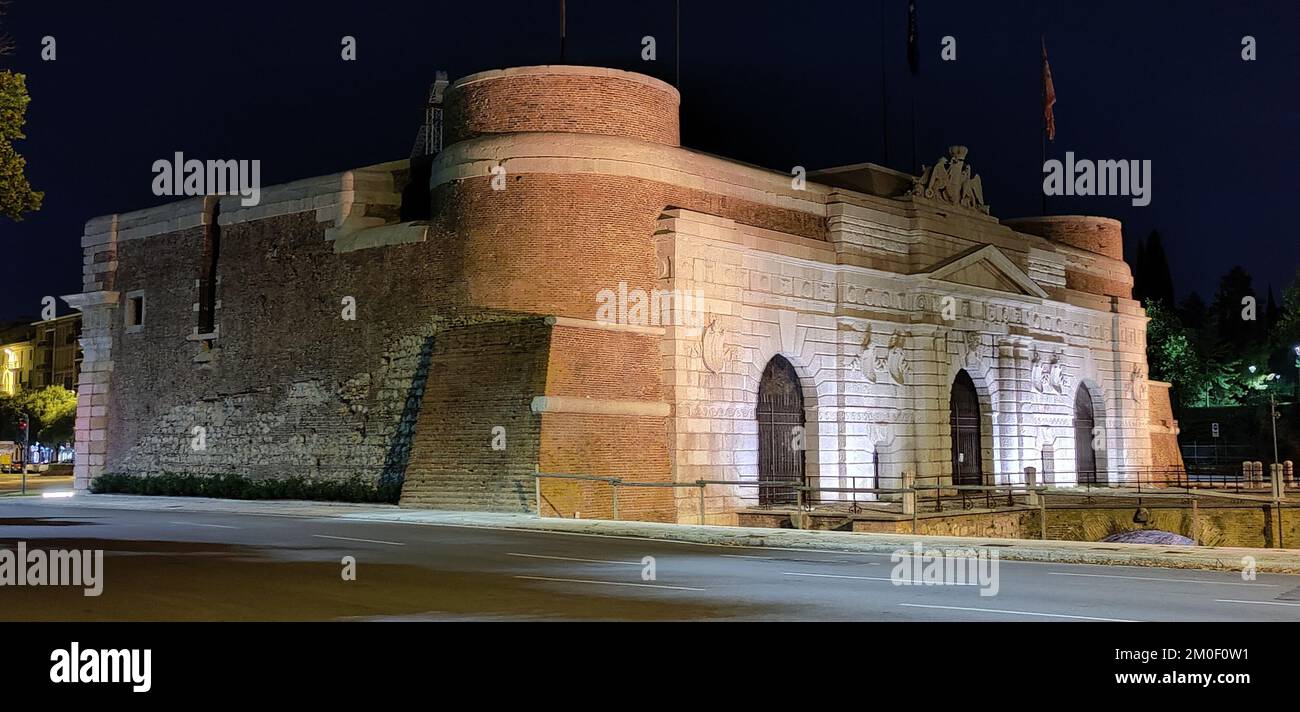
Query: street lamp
point(1296, 396)
point(1272, 409)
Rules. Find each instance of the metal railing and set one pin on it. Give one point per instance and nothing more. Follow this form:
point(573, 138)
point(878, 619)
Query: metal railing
point(915, 498)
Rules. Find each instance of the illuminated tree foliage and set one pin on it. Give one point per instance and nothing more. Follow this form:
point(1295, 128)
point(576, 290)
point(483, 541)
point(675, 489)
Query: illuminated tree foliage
point(1207, 354)
point(16, 194)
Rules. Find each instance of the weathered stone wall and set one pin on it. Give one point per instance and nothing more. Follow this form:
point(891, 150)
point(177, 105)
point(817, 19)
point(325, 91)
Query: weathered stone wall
point(294, 388)
point(1215, 525)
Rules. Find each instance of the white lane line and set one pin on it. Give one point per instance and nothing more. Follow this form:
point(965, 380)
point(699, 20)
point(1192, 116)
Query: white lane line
point(1019, 613)
point(1257, 603)
point(777, 558)
point(1171, 580)
point(570, 558)
point(610, 583)
point(870, 578)
point(368, 541)
point(198, 524)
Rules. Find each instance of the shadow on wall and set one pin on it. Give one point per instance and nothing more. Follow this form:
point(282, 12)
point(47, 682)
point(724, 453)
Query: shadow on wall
point(399, 449)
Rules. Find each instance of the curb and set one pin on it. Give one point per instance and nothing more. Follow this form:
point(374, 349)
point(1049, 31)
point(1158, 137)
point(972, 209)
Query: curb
point(1283, 561)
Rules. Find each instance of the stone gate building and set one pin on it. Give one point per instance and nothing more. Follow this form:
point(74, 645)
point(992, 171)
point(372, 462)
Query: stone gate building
point(462, 323)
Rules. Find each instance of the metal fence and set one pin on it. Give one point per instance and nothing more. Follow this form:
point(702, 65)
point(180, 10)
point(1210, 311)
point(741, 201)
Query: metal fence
point(914, 497)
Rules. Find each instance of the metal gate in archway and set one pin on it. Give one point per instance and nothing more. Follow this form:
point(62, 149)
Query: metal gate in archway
point(1085, 458)
point(967, 465)
point(780, 434)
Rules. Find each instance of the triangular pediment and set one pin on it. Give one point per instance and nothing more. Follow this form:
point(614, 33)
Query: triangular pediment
point(988, 268)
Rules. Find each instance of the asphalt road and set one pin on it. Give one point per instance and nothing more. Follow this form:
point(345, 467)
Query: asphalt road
point(185, 566)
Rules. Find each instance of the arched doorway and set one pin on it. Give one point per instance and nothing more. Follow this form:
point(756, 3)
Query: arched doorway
point(964, 411)
point(780, 429)
point(1085, 458)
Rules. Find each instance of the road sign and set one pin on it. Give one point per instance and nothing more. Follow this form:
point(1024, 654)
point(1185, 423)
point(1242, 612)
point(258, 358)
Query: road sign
point(1214, 429)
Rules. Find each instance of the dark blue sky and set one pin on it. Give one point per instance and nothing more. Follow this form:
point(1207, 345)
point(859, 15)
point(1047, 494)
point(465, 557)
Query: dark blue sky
point(773, 83)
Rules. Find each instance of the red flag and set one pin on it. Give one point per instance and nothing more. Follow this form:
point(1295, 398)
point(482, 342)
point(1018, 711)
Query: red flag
point(1049, 97)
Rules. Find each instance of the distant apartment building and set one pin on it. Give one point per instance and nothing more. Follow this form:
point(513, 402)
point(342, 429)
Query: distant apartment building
point(56, 353)
point(16, 345)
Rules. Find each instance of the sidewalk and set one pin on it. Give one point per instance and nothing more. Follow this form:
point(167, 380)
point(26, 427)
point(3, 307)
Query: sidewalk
point(11, 483)
point(1071, 552)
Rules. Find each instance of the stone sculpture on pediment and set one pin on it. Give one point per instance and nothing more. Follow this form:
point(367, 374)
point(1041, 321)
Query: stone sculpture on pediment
point(952, 181)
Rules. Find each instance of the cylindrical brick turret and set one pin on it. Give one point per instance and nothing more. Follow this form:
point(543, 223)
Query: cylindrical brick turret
point(590, 100)
point(1102, 236)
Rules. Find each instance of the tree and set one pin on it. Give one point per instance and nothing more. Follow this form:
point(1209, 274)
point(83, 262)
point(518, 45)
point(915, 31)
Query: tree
point(1152, 279)
point(16, 194)
point(51, 412)
point(1193, 312)
point(1235, 314)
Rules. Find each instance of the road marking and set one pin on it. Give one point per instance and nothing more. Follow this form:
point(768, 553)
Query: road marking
point(1152, 578)
point(1018, 613)
point(570, 558)
point(368, 541)
point(900, 582)
point(1258, 603)
point(610, 583)
point(198, 524)
point(777, 558)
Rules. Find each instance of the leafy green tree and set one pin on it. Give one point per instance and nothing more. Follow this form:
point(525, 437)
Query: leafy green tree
point(54, 413)
point(51, 412)
point(1151, 276)
point(16, 194)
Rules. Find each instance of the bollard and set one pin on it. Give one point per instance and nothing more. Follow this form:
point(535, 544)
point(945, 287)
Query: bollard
point(1275, 479)
point(701, 502)
point(1031, 481)
point(1288, 472)
point(537, 489)
point(1259, 472)
point(615, 499)
point(909, 497)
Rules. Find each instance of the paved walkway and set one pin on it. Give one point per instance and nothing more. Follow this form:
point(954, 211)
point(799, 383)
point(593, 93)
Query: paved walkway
point(1211, 558)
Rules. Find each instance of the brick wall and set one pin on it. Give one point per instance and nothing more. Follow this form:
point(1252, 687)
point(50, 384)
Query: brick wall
point(549, 243)
point(595, 101)
point(481, 376)
point(621, 370)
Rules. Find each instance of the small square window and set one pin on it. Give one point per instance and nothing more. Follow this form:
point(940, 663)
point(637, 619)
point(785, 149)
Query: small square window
point(135, 311)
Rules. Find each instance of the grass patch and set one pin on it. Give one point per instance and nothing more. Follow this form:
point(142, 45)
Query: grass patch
point(170, 484)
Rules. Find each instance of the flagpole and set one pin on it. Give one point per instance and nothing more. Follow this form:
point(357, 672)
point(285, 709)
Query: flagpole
point(914, 170)
point(677, 20)
point(562, 32)
point(884, 91)
point(914, 64)
point(1042, 70)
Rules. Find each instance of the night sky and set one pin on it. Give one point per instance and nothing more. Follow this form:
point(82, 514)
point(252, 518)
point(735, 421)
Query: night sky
point(776, 84)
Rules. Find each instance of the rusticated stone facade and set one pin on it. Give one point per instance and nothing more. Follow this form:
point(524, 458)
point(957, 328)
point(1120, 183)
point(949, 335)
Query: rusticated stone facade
point(463, 350)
